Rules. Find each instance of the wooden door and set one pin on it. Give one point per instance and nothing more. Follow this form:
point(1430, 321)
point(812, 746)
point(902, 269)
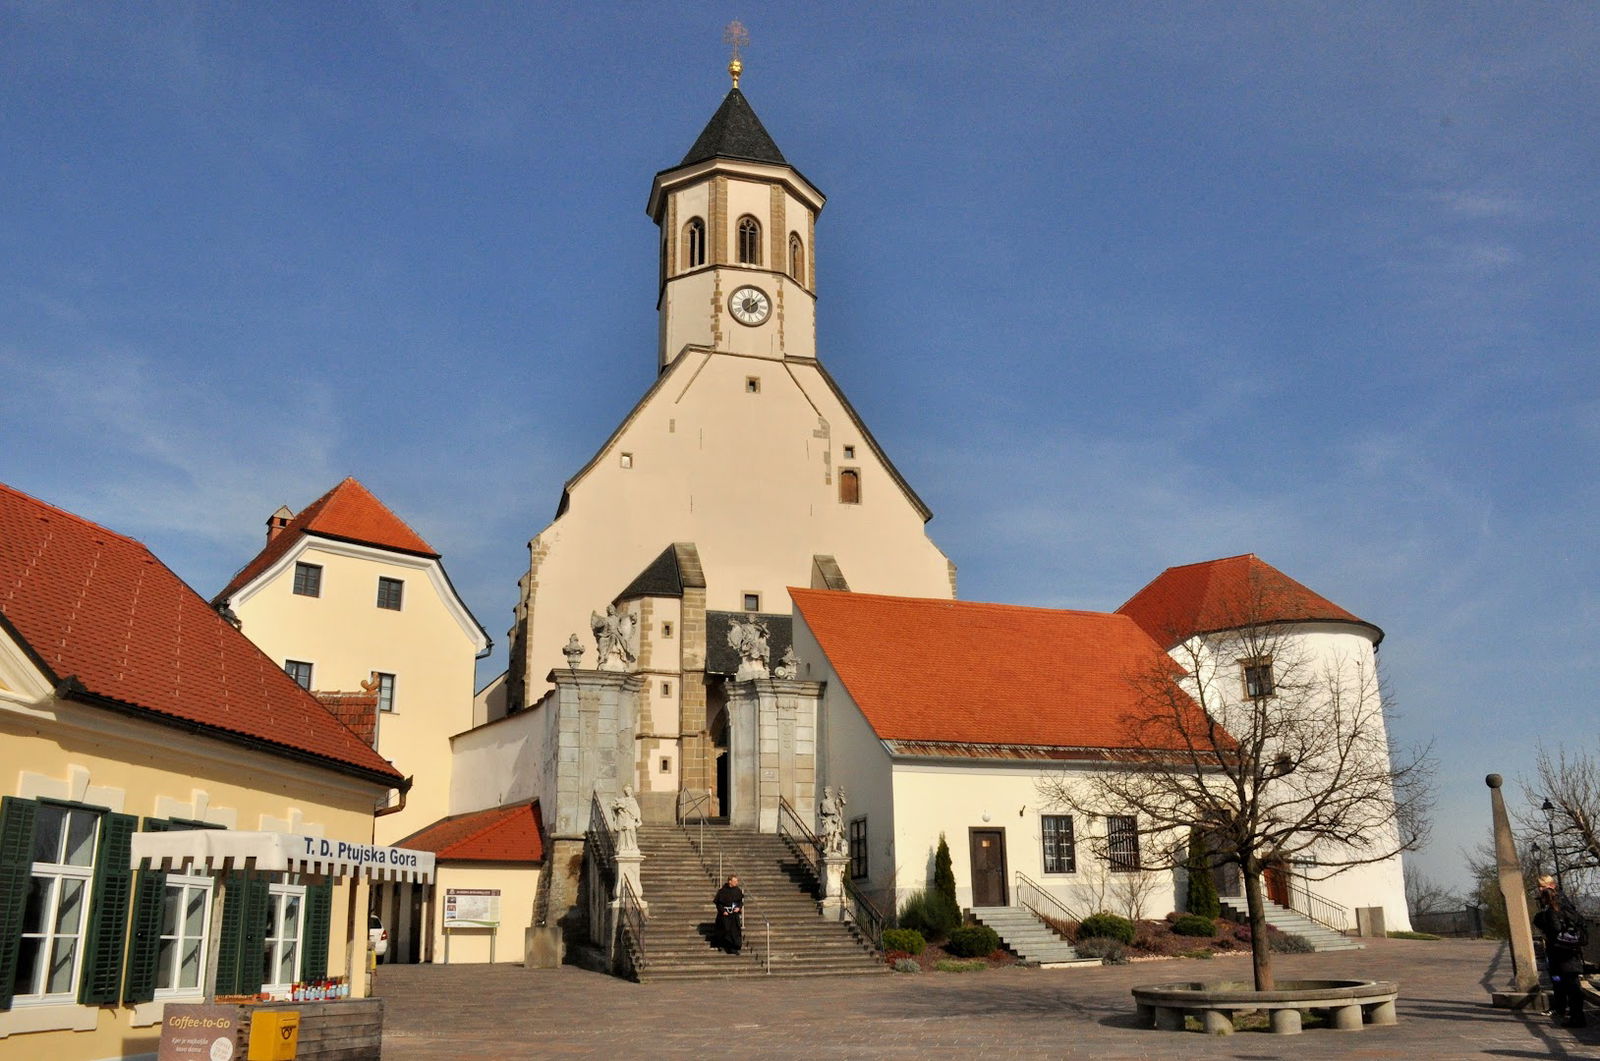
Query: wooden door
point(988, 867)
point(1276, 881)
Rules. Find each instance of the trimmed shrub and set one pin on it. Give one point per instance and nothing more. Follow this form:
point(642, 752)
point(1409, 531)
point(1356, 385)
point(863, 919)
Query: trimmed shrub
point(948, 965)
point(1106, 926)
point(1194, 925)
point(907, 940)
point(1288, 943)
point(1107, 950)
point(907, 965)
point(973, 941)
point(924, 913)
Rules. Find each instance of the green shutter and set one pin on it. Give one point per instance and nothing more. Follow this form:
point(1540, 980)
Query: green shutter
point(16, 864)
point(230, 933)
point(314, 941)
point(253, 944)
point(108, 912)
point(144, 946)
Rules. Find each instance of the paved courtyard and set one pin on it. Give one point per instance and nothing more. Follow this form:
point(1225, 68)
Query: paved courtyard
point(471, 1012)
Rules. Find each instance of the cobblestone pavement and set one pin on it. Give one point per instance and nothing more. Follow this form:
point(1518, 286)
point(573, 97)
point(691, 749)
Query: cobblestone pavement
point(472, 1012)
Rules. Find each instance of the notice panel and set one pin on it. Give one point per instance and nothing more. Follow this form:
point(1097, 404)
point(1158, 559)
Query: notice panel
point(471, 907)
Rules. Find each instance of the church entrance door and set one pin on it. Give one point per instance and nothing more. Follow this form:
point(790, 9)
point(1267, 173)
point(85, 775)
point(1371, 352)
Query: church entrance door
point(988, 866)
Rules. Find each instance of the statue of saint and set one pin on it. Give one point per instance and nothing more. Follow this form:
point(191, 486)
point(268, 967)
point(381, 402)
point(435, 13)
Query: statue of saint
point(612, 631)
point(831, 814)
point(788, 666)
point(749, 639)
point(626, 819)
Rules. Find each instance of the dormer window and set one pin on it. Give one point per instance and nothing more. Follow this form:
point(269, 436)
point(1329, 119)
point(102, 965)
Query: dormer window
point(749, 241)
point(797, 258)
point(694, 243)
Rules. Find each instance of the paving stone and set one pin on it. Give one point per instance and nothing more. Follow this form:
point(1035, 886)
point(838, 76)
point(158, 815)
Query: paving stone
point(473, 1012)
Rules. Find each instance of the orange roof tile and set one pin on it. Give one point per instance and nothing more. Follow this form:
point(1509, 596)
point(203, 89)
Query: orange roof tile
point(943, 672)
point(349, 512)
point(1224, 595)
point(92, 605)
point(358, 712)
point(503, 834)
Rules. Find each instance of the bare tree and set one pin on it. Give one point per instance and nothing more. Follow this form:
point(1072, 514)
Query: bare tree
point(1569, 780)
point(1271, 751)
point(1424, 895)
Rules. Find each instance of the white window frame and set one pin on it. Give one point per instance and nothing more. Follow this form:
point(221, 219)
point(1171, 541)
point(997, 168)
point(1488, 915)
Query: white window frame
point(59, 874)
point(185, 885)
point(278, 896)
point(386, 689)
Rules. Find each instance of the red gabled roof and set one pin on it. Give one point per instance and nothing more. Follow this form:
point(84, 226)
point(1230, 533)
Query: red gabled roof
point(952, 672)
point(349, 512)
point(504, 834)
point(1224, 595)
point(92, 605)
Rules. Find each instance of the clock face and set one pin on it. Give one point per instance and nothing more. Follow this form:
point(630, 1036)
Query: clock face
point(750, 305)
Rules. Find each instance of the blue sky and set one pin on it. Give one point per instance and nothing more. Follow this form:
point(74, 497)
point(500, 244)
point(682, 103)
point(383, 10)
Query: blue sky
point(1118, 286)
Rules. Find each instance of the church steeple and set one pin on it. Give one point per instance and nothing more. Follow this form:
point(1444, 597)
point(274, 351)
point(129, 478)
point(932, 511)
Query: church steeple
point(738, 228)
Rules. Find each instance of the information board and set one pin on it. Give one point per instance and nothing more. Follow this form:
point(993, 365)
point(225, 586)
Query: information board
point(471, 907)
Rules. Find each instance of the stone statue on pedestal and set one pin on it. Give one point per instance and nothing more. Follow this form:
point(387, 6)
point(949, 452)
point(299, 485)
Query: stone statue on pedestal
point(612, 632)
point(788, 666)
point(626, 819)
point(749, 639)
point(830, 813)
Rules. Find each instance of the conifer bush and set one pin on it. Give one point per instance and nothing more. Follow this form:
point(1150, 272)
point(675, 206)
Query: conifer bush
point(944, 888)
point(1106, 926)
point(1194, 925)
point(905, 940)
point(973, 941)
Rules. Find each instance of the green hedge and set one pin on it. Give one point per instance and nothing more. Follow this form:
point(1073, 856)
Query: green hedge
point(973, 941)
point(1194, 925)
point(1106, 926)
point(905, 940)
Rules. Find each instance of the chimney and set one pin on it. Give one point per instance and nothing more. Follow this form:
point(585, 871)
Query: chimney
point(278, 520)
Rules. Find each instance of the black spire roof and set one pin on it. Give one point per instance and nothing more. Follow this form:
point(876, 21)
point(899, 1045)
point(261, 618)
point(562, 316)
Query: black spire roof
point(734, 132)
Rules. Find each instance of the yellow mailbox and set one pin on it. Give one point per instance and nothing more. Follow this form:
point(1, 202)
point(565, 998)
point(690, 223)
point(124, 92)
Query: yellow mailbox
point(274, 1035)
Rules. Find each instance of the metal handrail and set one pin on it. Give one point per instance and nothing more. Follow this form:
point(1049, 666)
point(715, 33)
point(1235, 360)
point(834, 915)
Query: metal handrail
point(685, 807)
point(631, 921)
point(1324, 911)
point(866, 916)
point(600, 835)
point(1031, 893)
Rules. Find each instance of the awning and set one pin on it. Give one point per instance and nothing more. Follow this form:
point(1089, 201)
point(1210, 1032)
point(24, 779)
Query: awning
point(222, 850)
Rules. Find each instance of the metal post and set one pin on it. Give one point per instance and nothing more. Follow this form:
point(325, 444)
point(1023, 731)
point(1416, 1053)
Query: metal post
point(769, 944)
point(1555, 852)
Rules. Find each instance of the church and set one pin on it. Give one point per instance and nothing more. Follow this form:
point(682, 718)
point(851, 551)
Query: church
point(737, 615)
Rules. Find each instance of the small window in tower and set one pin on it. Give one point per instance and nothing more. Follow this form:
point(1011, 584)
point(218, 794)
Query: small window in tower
point(666, 764)
point(1257, 674)
point(752, 602)
point(752, 384)
point(797, 257)
point(666, 629)
point(849, 486)
point(849, 453)
point(694, 243)
point(627, 460)
point(749, 241)
point(666, 688)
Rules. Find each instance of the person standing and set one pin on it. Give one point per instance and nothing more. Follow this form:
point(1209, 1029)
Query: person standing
point(1564, 937)
point(730, 916)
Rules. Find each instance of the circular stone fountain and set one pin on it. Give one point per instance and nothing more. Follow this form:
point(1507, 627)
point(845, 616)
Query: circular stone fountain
point(1348, 1003)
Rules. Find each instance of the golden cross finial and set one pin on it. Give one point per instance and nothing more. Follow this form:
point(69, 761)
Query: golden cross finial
point(736, 37)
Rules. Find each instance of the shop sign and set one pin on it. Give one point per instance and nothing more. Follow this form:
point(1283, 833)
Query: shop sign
point(200, 1033)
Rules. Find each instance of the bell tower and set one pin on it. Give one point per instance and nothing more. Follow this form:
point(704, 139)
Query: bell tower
point(738, 229)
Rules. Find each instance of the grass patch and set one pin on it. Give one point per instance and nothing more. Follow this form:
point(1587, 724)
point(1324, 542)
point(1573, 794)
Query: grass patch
point(951, 965)
point(1414, 935)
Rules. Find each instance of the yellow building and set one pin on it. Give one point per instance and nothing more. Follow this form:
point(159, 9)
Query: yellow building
point(129, 706)
point(355, 606)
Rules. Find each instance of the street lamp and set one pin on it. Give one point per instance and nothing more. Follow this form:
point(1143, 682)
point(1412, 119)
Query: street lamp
point(1555, 852)
point(1538, 857)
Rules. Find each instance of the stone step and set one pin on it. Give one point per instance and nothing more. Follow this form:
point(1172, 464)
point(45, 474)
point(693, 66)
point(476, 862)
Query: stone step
point(1027, 937)
point(1321, 937)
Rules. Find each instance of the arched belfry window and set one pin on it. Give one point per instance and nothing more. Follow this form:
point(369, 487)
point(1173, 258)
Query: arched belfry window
point(797, 257)
point(694, 243)
point(749, 241)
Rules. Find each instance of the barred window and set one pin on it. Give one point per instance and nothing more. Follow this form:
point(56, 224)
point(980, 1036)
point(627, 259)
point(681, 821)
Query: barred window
point(1122, 843)
point(858, 848)
point(1059, 853)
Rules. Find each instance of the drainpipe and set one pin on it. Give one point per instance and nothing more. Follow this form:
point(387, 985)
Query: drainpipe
point(404, 787)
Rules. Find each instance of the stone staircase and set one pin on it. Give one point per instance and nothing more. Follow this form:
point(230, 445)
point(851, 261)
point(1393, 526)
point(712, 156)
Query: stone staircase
point(778, 891)
point(1320, 936)
point(1029, 938)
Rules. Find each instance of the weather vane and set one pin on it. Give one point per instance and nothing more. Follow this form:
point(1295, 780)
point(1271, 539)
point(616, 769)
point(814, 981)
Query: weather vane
point(736, 37)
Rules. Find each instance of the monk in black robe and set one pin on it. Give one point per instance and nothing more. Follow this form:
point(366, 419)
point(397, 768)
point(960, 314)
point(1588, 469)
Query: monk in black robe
point(730, 916)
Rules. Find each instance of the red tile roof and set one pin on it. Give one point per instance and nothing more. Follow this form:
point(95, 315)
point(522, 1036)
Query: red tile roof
point(92, 605)
point(942, 672)
point(349, 512)
point(504, 834)
point(1223, 595)
point(358, 712)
